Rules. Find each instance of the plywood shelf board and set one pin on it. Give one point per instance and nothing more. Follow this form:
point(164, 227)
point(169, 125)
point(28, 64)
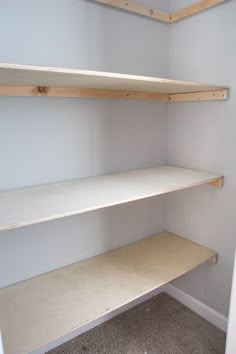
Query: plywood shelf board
point(39, 310)
point(168, 18)
point(48, 202)
point(28, 80)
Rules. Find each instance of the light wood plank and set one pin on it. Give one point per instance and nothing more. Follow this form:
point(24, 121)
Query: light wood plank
point(199, 96)
point(193, 9)
point(57, 79)
point(42, 309)
point(137, 8)
point(52, 201)
point(199, 6)
point(43, 91)
point(24, 91)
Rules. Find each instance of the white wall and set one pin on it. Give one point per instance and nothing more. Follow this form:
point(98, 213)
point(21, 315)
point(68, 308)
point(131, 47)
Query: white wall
point(45, 139)
point(202, 135)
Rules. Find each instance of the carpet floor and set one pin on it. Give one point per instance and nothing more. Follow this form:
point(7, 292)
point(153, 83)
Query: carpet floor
point(158, 326)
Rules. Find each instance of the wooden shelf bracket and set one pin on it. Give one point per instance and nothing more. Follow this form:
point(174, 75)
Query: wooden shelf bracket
point(218, 183)
point(213, 260)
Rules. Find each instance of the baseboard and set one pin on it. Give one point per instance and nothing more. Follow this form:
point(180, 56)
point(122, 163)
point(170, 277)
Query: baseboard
point(197, 306)
point(68, 336)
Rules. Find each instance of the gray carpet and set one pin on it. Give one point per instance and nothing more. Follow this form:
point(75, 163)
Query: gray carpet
point(158, 326)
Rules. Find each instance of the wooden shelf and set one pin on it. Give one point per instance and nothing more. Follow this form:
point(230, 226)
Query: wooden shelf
point(39, 310)
point(168, 18)
point(52, 201)
point(26, 80)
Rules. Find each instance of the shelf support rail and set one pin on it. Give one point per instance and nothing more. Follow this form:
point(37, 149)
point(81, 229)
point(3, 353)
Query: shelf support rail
point(27, 91)
point(218, 182)
point(168, 18)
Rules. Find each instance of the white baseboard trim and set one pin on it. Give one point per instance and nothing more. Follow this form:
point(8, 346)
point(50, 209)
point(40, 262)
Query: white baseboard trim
point(70, 335)
point(197, 306)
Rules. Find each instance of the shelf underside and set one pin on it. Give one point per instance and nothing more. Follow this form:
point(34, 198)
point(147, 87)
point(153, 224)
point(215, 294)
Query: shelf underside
point(39, 310)
point(26, 80)
point(37, 204)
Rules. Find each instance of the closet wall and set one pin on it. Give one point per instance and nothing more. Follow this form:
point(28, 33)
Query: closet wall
point(202, 136)
point(43, 140)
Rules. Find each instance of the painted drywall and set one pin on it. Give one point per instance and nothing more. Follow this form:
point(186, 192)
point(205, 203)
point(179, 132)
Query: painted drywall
point(43, 140)
point(202, 136)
